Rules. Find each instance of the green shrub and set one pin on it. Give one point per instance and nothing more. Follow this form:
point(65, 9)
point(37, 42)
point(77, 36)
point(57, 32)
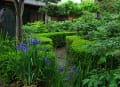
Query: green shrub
point(89, 55)
point(112, 28)
point(77, 49)
point(102, 78)
point(80, 56)
point(102, 53)
point(60, 26)
point(69, 41)
point(58, 38)
point(46, 47)
point(107, 52)
point(69, 8)
point(31, 63)
point(46, 43)
point(35, 27)
point(6, 44)
point(89, 6)
point(44, 40)
point(7, 47)
point(85, 23)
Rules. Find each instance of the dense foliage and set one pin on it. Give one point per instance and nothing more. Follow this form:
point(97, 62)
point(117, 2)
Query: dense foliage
point(92, 44)
point(36, 27)
point(70, 8)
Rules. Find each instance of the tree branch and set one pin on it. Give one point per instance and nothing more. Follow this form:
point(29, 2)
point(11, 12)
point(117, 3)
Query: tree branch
point(21, 6)
point(16, 4)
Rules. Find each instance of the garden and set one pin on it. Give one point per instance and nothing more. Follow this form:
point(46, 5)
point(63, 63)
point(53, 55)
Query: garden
point(80, 52)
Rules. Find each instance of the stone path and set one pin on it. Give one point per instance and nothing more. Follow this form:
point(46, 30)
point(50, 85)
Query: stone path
point(61, 55)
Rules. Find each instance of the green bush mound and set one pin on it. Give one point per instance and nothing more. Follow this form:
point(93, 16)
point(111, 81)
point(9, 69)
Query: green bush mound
point(46, 47)
point(46, 43)
point(35, 27)
point(70, 39)
point(80, 45)
point(95, 54)
point(45, 40)
point(77, 49)
point(58, 38)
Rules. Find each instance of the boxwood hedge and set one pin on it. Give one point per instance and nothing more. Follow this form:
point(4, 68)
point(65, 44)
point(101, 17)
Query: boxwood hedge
point(58, 38)
point(46, 43)
point(77, 49)
point(104, 54)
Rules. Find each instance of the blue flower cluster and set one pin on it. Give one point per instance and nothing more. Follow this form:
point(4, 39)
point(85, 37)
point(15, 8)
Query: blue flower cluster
point(69, 75)
point(47, 61)
point(75, 69)
point(60, 69)
point(35, 42)
point(23, 47)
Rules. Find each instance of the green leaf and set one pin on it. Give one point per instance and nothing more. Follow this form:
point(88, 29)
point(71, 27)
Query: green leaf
point(102, 60)
point(85, 81)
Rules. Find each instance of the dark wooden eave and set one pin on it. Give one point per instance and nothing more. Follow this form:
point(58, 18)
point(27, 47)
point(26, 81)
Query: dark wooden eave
point(30, 2)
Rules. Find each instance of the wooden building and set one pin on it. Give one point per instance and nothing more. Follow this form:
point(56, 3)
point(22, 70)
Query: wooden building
point(31, 8)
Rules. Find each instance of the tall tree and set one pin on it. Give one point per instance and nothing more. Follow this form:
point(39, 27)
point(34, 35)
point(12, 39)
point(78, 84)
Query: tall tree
point(19, 7)
point(47, 3)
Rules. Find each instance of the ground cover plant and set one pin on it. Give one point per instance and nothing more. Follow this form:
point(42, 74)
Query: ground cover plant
point(36, 27)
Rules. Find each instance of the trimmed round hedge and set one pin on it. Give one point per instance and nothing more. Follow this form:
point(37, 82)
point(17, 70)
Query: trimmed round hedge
point(95, 54)
point(58, 38)
point(77, 50)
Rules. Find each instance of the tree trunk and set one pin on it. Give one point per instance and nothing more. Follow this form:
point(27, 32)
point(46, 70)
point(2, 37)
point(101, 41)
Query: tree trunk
point(19, 7)
point(46, 16)
point(46, 21)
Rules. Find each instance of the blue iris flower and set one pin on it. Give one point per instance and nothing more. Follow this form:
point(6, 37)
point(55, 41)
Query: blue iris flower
point(46, 60)
point(34, 42)
point(60, 69)
point(23, 47)
point(75, 69)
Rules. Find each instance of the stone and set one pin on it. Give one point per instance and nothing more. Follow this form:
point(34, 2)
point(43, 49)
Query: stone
point(7, 22)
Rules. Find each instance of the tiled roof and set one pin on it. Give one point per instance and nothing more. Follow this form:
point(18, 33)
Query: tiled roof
point(34, 2)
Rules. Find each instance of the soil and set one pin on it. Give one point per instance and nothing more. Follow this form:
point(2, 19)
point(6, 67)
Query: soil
point(10, 85)
point(1, 84)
